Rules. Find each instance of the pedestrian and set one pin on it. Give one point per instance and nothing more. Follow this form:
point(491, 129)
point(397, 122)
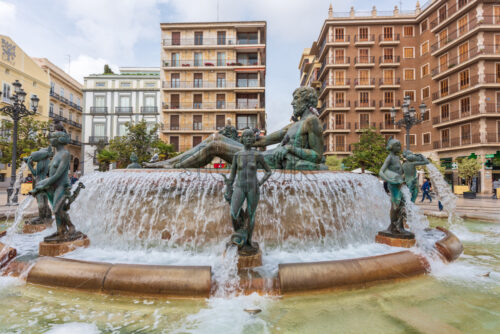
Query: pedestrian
point(73, 179)
point(426, 187)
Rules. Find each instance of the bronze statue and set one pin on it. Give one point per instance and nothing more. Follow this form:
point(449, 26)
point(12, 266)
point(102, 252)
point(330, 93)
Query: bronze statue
point(300, 144)
point(42, 159)
point(57, 187)
point(410, 171)
point(244, 169)
point(134, 164)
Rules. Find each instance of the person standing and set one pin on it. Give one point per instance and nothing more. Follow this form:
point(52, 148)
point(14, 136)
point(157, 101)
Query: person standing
point(426, 187)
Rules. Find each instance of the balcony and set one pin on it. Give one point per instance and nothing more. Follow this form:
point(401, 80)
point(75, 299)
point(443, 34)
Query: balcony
point(364, 39)
point(149, 110)
point(364, 105)
point(206, 129)
point(389, 105)
point(384, 39)
point(65, 120)
point(364, 125)
point(196, 64)
point(451, 10)
point(65, 100)
point(389, 61)
point(124, 110)
point(389, 82)
point(99, 110)
point(454, 64)
point(334, 63)
point(364, 83)
point(223, 105)
point(94, 140)
point(337, 127)
point(458, 116)
point(388, 127)
point(364, 61)
point(209, 41)
point(334, 41)
point(457, 142)
point(462, 88)
point(341, 105)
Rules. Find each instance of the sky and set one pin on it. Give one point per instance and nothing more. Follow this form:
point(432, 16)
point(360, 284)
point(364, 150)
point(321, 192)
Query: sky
point(80, 36)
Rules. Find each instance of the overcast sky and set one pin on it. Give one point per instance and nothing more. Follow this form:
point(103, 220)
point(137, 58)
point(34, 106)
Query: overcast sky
point(127, 33)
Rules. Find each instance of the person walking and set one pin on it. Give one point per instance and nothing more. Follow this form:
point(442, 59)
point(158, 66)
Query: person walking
point(426, 187)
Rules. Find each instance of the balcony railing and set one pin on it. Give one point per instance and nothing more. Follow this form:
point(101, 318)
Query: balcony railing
point(364, 125)
point(451, 9)
point(455, 61)
point(389, 81)
point(458, 141)
point(98, 110)
point(364, 60)
point(364, 104)
point(210, 41)
point(149, 110)
point(211, 62)
point(64, 120)
point(473, 81)
point(65, 100)
point(365, 38)
point(364, 82)
point(124, 110)
point(388, 38)
point(383, 103)
point(389, 59)
point(490, 108)
point(93, 140)
point(345, 104)
point(239, 126)
point(388, 126)
point(214, 105)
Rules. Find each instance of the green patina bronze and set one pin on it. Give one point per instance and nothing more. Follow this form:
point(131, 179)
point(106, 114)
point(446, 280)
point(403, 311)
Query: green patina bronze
point(300, 144)
point(57, 188)
point(42, 159)
point(134, 164)
point(244, 171)
point(410, 171)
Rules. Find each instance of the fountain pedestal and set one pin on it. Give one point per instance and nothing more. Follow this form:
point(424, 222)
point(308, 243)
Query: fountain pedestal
point(395, 241)
point(35, 228)
point(60, 248)
point(246, 261)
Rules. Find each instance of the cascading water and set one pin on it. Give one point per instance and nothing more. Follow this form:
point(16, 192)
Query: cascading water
point(445, 194)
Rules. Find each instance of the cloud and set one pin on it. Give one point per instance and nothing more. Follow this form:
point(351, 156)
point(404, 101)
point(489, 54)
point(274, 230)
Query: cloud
point(7, 15)
point(84, 65)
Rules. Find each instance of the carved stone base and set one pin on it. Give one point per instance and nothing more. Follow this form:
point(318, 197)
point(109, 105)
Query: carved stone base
point(6, 254)
point(394, 242)
point(35, 228)
point(250, 261)
point(60, 248)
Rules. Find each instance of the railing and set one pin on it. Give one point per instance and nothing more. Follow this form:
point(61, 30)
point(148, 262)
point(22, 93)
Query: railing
point(493, 137)
point(388, 126)
point(97, 139)
point(65, 100)
point(98, 110)
point(149, 110)
point(210, 41)
point(212, 84)
point(389, 82)
point(364, 82)
point(490, 108)
point(123, 110)
point(369, 38)
point(239, 126)
point(473, 81)
point(486, 50)
point(453, 35)
point(214, 105)
point(367, 104)
point(364, 60)
point(364, 125)
point(385, 38)
point(449, 12)
point(212, 62)
point(345, 104)
point(64, 120)
point(389, 59)
point(382, 103)
point(341, 126)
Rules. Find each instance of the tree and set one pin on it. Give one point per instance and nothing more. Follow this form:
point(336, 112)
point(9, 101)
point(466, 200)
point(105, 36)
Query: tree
point(108, 70)
point(369, 153)
point(468, 168)
point(333, 162)
point(165, 151)
point(105, 158)
point(31, 137)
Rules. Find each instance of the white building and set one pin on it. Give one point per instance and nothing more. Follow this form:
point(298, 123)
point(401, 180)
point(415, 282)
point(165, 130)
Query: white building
point(112, 100)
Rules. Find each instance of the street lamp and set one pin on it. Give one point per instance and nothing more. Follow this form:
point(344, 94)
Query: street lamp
point(409, 117)
point(16, 111)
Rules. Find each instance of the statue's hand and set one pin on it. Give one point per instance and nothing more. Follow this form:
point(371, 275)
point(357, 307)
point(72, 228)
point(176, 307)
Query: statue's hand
point(228, 194)
point(280, 153)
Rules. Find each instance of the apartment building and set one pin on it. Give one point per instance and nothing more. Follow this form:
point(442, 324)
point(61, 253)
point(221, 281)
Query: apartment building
point(212, 73)
point(15, 64)
point(445, 54)
point(65, 105)
point(112, 100)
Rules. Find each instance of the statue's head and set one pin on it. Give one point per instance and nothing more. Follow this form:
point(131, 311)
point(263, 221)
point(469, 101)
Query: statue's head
point(59, 138)
point(133, 157)
point(394, 145)
point(303, 99)
point(248, 137)
point(410, 156)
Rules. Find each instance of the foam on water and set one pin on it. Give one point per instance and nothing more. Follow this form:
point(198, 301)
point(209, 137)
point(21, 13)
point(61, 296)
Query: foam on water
point(74, 328)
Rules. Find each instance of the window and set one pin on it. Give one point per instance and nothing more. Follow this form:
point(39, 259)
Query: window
point(363, 34)
point(221, 58)
point(100, 84)
point(408, 53)
point(339, 78)
point(445, 112)
point(221, 80)
point(410, 93)
point(150, 84)
point(388, 77)
point(51, 109)
point(220, 121)
point(465, 134)
point(6, 93)
point(498, 72)
point(364, 55)
point(463, 25)
point(247, 38)
point(149, 101)
point(443, 62)
point(198, 38)
point(443, 37)
point(197, 101)
point(462, 3)
point(198, 59)
point(175, 101)
point(122, 129)
point(339, 99)
point(497, 44)
point(465, 107)
point(174, 57)
point(339, 121)
point(388, 33)
point(247, 80)
point(339, 56)
point(174, 122)
point(443, 87)
point(445, 137)
point(61, 112)
point(464, 79)
point(124, 101)
point(221, 38)
point(247, 58)
point(423, 26)
point(176, 38)
point(221, 101)
point(246, 121)
point(197, 122)
point(340, 143)
point(409, 74)
point(496, 14)
point(196, 140)
point(364, 98)
point(125, 84)
point(339, 34)
point(408, 31)
point(427, 115)
point(99, 129)
point(364, 77)
point(389, 97)
point(175, 80)
point(197, 80)
point(463, 52)
point(424, 70)
point(426, 92)
point(388, 120)
point(413, 139)
point(100, 101)
point(426, 138)
point(388, 55)
point(442, 14)
point(364, 121)
point(424, 48)
point(174, 141)
point(71, 97)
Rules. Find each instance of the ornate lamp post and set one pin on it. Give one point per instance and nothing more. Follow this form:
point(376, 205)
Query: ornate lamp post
point(409, 117)
point(16, 111)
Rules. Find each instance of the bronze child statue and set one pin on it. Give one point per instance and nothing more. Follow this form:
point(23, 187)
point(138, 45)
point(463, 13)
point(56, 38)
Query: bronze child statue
point(42, 159)
point(410, 171)
point(134, 164)
point(57, 187)
point(244, 169)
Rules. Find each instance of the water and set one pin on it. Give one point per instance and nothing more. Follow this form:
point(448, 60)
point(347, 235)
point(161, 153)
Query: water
point(445, 194)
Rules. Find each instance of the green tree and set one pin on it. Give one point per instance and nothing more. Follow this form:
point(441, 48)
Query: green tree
point(333, 162)
point(165, 151)
point(369, 153)
point(108, 70)
point(105, 158)
point(31, 137)
point(468, 168)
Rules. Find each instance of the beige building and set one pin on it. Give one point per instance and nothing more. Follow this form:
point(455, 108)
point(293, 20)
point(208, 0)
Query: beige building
point(445, 54)
point(65, 105)
point(212, 72)
point(15, 64)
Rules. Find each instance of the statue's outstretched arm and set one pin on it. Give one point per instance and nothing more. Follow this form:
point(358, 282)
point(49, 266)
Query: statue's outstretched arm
point(273, 138)
point(423, 160)
point(262, 162)
point(29, 162)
